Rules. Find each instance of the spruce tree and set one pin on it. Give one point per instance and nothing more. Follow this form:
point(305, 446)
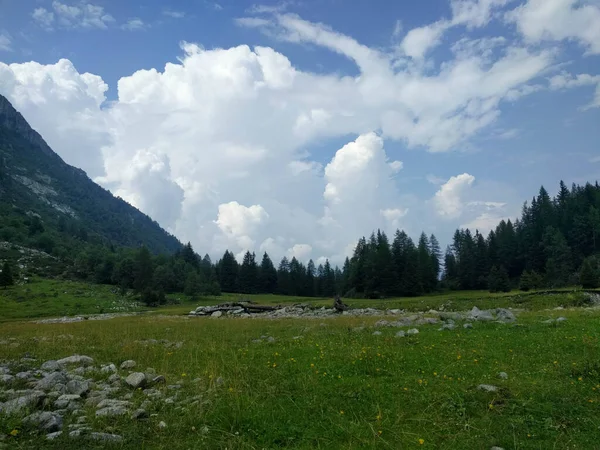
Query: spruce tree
point(589, 275)
point(6, 277)
point(248, 275)
point(267, 275)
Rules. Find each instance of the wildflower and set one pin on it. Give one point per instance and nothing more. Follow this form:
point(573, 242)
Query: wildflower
point(339, 376)
point(580, 379)
point(342, 413)
point(193, 428)
point(274, 365)
point(421, 441)
point(184, 374)
point(458, 357)
point(312, 365)
point(435, 374)
point(491, 406)
point(379, 432)
point(14, 432)
point(420, 381)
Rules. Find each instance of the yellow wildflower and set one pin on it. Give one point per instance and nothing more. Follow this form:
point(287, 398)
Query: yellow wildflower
point(421, 441)
point(14, 432)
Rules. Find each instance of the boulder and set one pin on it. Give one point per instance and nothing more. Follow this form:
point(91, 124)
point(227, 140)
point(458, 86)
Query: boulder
point(412, 331)
point(78, 387)
point(487, 388)
point(111, 411)
point(51, 381)
point(477, 314)
point(129, 364)
point(136, 380)
point(81, 360)
point(505, 315)
point(51, 366)
point(46, 421)
point(109, 368)
point(19, 404)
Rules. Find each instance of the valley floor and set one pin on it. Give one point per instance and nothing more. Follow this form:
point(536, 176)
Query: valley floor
point(321, 383)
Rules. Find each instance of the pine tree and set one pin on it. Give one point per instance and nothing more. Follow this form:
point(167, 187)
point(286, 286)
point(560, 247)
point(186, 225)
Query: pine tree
point(228, 272)
point(310, 278)
point(328, 280)
point(6, 277)
point(450, 270)
point(283, 277)
point(558, 258)
point(267, 275)
point(424, 268)
point(498, 280)
point(248, 275)
point(436, 256)
point(143, 270)
point(589, 275)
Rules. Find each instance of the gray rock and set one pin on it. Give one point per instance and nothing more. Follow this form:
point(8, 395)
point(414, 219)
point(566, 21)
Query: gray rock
point(503, 375)
point(113, 403)
point(52, 436)
point(46, 421)
point(140, 414)
point(23, 375)
point(496, 448)
point(6, 378)
point(169, 401)
point(174, 386)
point(19, 404)
point(271, 339)
point(162, 424)
point(106, 437)
point(412, 331)
point(505, 315)
point(561, 319)
point(400, 334)
point(115, 377)
point(220, 381)
point(447, 326)
point(216, 315)
point(159, 379)
point(51, 366)
point(129, 364)
point(81, 420)
point(377, 333)
point(81, 360)
point(109, 368)
point(136, 380)
point(67, 401)
point(4, 370)
point(111, 411)
point(467, 326)
point(477, 314)
point(78, 387)
point(51, 380)
point(487, 388)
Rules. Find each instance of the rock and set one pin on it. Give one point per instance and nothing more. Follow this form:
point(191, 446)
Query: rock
point(19, 404)
point(468, 326)
point(81, 360)
point(129, 364)
point(6, 378)
point(271, 339)
point(503, 375)
point(561, 319)
point(114, 378)
point(4, 370)
point(51, 381)
point(174, 386)
point(78, 387)
point(412, 331)
point(400, 334)
point(111, 411)
point(159, 379)
point(65, 400)
point(487, 388)
point(447, 326)
point(377, 333)
point(136, 380)
point(216, 315)
point(23, 375)
point(477, 314)
point(109, 368)
point(106, 437)
point(358, 329)
point(170, 401)
point(51, 366)
point(505, 315)
point(162, 425)
point(496, 448)
point(220, 381)
point(46, 421)
point(140, 414)
point(113, 403)
point(52, 436)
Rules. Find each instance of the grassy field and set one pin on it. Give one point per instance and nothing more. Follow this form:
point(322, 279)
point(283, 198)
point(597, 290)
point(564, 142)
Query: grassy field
point(332, 384)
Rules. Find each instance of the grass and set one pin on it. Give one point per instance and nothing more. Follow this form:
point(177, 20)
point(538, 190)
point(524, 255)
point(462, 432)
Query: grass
point(336, 387)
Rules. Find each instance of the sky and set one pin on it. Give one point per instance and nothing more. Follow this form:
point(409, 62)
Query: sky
point(296, 127)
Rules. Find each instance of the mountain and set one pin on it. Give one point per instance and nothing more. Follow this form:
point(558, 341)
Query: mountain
point(45, 202)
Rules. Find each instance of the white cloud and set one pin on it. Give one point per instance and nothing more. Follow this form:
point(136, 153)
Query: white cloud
point(569, 81)
point(484, 222)
point(301, 252)
point(419, 41)
point(81, 15)
point(448, 199)
point(396, 166)
point(5, 42)
point(556, 20)
point(134, 24)
point(174, 14)
point(393, 216)
point(43, 18)
point(239, 222)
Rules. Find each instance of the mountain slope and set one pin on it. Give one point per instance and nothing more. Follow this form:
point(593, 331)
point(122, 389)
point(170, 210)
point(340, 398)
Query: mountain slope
point(35, 183)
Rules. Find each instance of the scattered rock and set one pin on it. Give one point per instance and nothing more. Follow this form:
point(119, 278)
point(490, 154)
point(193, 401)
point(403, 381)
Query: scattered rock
point(220, 381)
point(487, 388)
point(46, 421)
point(377, 333)
point(503, 375)
point(496, 448)
point(113, 403)
point(51, 366)
point(81, 360)
point(111, 411)
point(6, 378)
point(477, 314)
point(400, 334)
point(140, 414)
point(162, 424)
point(159, 379)
point(505, 315)
point(52, 436)
point(216, 315)
point(561, 319)
point(468, 326)
point(129, 364)
point(271, 339)
point(78, 387)
point(51, 381)
point(109, 368)
point(106, 437)
point(30, 401)
point(136, 380)
point(412, 331)
point(447, 326)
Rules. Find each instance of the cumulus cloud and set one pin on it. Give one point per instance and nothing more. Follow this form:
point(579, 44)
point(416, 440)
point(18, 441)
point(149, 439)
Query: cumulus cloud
point(556, 20)
point(134, 24)
point(301, 252)
point(448, 199)
point(81, 15)
point(220, 145)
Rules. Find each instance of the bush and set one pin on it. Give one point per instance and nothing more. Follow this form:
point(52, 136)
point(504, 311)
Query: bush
point(589, 275)
point(153, 298)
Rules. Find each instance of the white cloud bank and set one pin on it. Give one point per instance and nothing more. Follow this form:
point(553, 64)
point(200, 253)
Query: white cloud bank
point(215, 145)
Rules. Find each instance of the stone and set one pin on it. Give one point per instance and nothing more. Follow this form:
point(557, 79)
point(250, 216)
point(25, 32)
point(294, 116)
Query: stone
point(220, 381)
point(78, 387)
point(487, 388)
point(19, 404)
point(81, 360)
point(52, 436)
point(114, 378)
point(129, 364)
point(23, 375)
point(67, 401)
point(503, 375)
point(106, 437)
point(109, 368)
point(561, 319)
point(174, 386)
point(51, 380)
point(477, 314)
point(6, 378)
point(216, 315)
point(505, 315)
point(113, 403)
point(271, 339)
point(400, 334)
point(51, 366)
point(412, 331)
point(377, 333)
point(496, 448)
point(447, 326)
point(140, 414)
point(46, 421)
point(467, 326)
point(159, 379)
point(4, 370)
point(111, 411)
point(136, 380)
point(161, 424)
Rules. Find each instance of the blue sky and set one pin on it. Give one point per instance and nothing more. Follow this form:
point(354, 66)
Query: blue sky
point(296, 148)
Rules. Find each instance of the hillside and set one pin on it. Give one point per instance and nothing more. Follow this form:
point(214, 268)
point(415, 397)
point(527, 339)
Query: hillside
point(44, 202)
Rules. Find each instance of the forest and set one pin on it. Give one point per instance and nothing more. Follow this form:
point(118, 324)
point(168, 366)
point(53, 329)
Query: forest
point(555, 243)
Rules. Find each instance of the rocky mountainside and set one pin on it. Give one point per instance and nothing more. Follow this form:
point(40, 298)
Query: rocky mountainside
point(37, 186)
